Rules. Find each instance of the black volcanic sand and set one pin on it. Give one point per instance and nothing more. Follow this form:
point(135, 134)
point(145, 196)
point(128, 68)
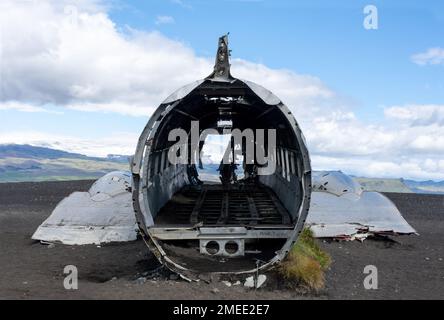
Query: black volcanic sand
point(409, 267)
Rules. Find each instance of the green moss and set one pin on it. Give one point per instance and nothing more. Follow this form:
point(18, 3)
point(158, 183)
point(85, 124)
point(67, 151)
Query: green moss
point(306, 262)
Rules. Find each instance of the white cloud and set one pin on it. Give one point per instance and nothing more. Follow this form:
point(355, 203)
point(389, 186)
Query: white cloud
point(417, 115)
point(306, 95)
point(51, 56)
point(116, 143)
point(413, 168)
point(343, 135)
point(24, 107)
point(432, 56)
point(182, 3)
point(83, 62)
point(79, 59)
point(164, 20)
point(113, 107)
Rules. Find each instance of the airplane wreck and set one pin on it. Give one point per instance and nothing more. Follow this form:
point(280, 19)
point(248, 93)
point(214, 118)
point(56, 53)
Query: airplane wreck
point(244, 222)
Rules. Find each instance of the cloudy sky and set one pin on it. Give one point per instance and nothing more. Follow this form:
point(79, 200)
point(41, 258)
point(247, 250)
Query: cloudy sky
point(86, 75)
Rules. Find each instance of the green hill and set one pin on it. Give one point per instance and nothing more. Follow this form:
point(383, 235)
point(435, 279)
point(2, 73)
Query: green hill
point(28, 163)
point(384, 185)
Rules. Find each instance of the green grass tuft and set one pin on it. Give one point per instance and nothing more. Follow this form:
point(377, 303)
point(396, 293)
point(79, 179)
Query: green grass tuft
point(306, 262)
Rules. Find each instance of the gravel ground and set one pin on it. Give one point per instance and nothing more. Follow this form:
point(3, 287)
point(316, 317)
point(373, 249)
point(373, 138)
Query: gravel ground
point(409, 267)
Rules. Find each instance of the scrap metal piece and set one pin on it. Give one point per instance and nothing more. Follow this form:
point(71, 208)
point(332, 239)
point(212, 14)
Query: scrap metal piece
point(340, 209)
point(221, 97)
point(222, 65)
point(101, 215)
point(337, 183)
point(242, 215)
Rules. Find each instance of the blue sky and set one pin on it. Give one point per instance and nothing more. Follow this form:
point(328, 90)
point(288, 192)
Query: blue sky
point(348, 77)
point(322, 38)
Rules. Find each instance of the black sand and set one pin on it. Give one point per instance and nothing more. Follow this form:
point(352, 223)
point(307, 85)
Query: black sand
point(410, 267)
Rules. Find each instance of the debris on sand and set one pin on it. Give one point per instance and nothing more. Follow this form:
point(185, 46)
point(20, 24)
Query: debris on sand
point(174, 276)
point(49, 245)
point(227, 283)
point(252, 282)
point(159, 272)
point(140, 280)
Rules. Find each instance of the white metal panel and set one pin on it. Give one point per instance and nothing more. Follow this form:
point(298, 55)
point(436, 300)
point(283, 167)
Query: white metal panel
point(112, 184)
point(182, 92)
point(337, 216)
point(335, 182)
point(266, 95)
point(104, 214)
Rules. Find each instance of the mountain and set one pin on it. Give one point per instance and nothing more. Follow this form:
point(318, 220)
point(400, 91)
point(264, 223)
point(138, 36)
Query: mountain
point(384, 185)
point(118, 158)
point(30, 163)
point(402, 185)
point(25, 151)
point(425, 186)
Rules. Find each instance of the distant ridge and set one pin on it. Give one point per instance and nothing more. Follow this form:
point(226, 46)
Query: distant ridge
point(30, 152)
point(429, 186)
point(401, 185)
point(23, 162)
point(31, 163)
point(384, 185)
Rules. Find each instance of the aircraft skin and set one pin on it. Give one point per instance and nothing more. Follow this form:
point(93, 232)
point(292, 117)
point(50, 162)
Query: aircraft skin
point(264, 212)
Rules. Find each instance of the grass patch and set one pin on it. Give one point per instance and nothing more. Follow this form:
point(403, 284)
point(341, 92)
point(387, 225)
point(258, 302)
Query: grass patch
point(306, 262)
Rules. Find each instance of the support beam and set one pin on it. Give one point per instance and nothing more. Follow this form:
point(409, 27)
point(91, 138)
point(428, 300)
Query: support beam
point(253, 210)
point(185, 114)
point(224, 209)
point(199, 203)
point(178, 233)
